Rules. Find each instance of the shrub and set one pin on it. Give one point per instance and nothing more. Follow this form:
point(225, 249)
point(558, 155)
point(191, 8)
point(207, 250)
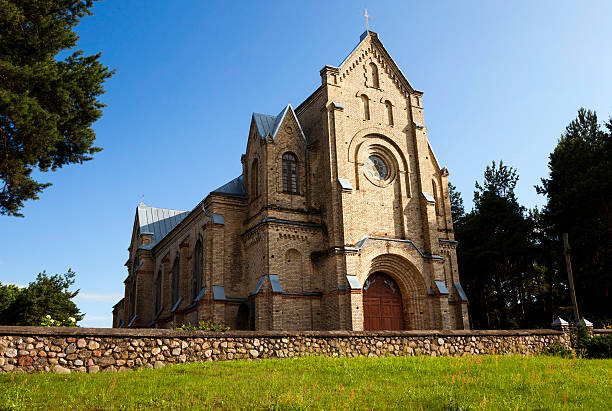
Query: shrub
point(207, 325)
point(599, 346)
point(586, 346)
point(47, 321)
point(558, 350)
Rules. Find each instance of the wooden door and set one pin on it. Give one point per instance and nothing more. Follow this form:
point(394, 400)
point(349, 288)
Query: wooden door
point(382, 304)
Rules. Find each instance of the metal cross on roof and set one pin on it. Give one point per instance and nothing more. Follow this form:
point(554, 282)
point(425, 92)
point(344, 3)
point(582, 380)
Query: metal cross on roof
point(367, 18)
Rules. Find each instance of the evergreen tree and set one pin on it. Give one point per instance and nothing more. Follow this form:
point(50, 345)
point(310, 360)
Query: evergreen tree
point(457, 208)
point(496, 251)
point(579, 194)
point(47, 105)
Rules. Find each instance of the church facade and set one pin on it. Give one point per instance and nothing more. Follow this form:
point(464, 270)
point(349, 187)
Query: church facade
point(340, 220)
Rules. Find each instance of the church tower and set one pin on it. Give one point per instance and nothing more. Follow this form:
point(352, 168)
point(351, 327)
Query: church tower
point(389, 257)
point(340, 221)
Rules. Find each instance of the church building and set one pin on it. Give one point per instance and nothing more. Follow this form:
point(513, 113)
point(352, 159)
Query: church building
point(340, 220)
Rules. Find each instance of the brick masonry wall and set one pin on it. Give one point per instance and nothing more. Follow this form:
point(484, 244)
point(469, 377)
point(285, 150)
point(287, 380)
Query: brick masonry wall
point(65, 350)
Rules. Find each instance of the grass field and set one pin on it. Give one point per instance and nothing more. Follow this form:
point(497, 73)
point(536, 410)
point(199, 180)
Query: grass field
point(487, 382)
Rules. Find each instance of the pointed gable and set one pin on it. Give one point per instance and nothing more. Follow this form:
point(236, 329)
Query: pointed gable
point(268, 125)
point(157, 221)
point(370, 44)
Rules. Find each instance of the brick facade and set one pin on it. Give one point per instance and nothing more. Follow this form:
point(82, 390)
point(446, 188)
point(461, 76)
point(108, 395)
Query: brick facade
point(344, 186)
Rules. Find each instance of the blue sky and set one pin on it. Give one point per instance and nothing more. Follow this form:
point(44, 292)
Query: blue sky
point(501, 81)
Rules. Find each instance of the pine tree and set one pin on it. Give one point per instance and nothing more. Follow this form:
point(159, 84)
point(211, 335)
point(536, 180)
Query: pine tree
point(579, 194)
point(496, 252)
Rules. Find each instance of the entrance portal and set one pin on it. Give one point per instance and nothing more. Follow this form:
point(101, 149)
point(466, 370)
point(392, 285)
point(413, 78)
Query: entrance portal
point(382, 303)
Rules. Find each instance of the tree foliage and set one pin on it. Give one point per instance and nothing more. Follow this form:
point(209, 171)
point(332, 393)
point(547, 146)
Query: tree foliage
point(579, 194)
point(47, 106)
point(495, 252)
point(48, 295)
point(456, 202)
point(511, 259)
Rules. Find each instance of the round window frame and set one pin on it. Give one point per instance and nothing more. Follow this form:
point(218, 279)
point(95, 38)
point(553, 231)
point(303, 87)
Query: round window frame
point(387, 158)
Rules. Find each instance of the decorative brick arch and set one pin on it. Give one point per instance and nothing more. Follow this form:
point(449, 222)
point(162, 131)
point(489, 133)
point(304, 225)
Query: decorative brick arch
point(364, 141)
point(411, 285)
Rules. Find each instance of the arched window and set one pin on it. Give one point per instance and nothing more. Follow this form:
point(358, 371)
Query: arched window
point(133, 298)
point(290, 177)
point(175, 280)
point(254, 179)
point(197, 277)
point(374, 72)
point(389, 108)
point(366, 107)
point(157, 293)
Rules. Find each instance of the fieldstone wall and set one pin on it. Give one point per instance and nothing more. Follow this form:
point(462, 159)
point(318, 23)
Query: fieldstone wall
point(65, 350)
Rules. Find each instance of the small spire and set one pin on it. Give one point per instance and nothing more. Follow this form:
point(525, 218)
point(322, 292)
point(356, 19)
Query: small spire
point(142, 200)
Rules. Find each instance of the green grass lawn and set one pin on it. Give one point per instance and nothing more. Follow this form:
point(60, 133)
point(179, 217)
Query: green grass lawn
point(487, 382)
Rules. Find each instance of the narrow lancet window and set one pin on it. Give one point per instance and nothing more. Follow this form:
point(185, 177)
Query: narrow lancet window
point(133, 298)
point(435, 195)
point(197, 275)
point(389, 108)
point(374, 72)
point(175, 280)
point(290, 177)
point(157, 295)
point(366, 107)
point(255, 179)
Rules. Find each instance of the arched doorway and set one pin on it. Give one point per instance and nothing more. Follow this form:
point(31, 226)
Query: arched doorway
point(382, 303)
point(243, 321)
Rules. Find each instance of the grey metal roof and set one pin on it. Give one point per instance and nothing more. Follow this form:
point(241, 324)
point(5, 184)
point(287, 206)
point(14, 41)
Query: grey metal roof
point(176, 304)
point(218, 292)
point(268, 125)
point(200, 294)
point(219, 295)
point(441, 287)
point(429, 197)
point(361, 243)
point(259, 284)
point(265, 124)
point(345, 183)
point(353, 282)
point(234, 187)
point(275, 283)
point(158, 221)
point(559, 322)
point(462, 293)
point(217, 219)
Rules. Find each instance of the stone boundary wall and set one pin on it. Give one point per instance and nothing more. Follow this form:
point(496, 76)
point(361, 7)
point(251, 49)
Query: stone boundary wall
point(63, 350)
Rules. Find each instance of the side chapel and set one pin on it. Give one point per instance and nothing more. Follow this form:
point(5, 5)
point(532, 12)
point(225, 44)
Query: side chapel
point(340, 220)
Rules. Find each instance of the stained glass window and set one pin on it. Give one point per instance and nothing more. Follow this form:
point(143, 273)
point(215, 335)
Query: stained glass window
point(377, 168)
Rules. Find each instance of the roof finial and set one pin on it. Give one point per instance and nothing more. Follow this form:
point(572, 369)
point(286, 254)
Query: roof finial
point(367, 19)
point(142, 200)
